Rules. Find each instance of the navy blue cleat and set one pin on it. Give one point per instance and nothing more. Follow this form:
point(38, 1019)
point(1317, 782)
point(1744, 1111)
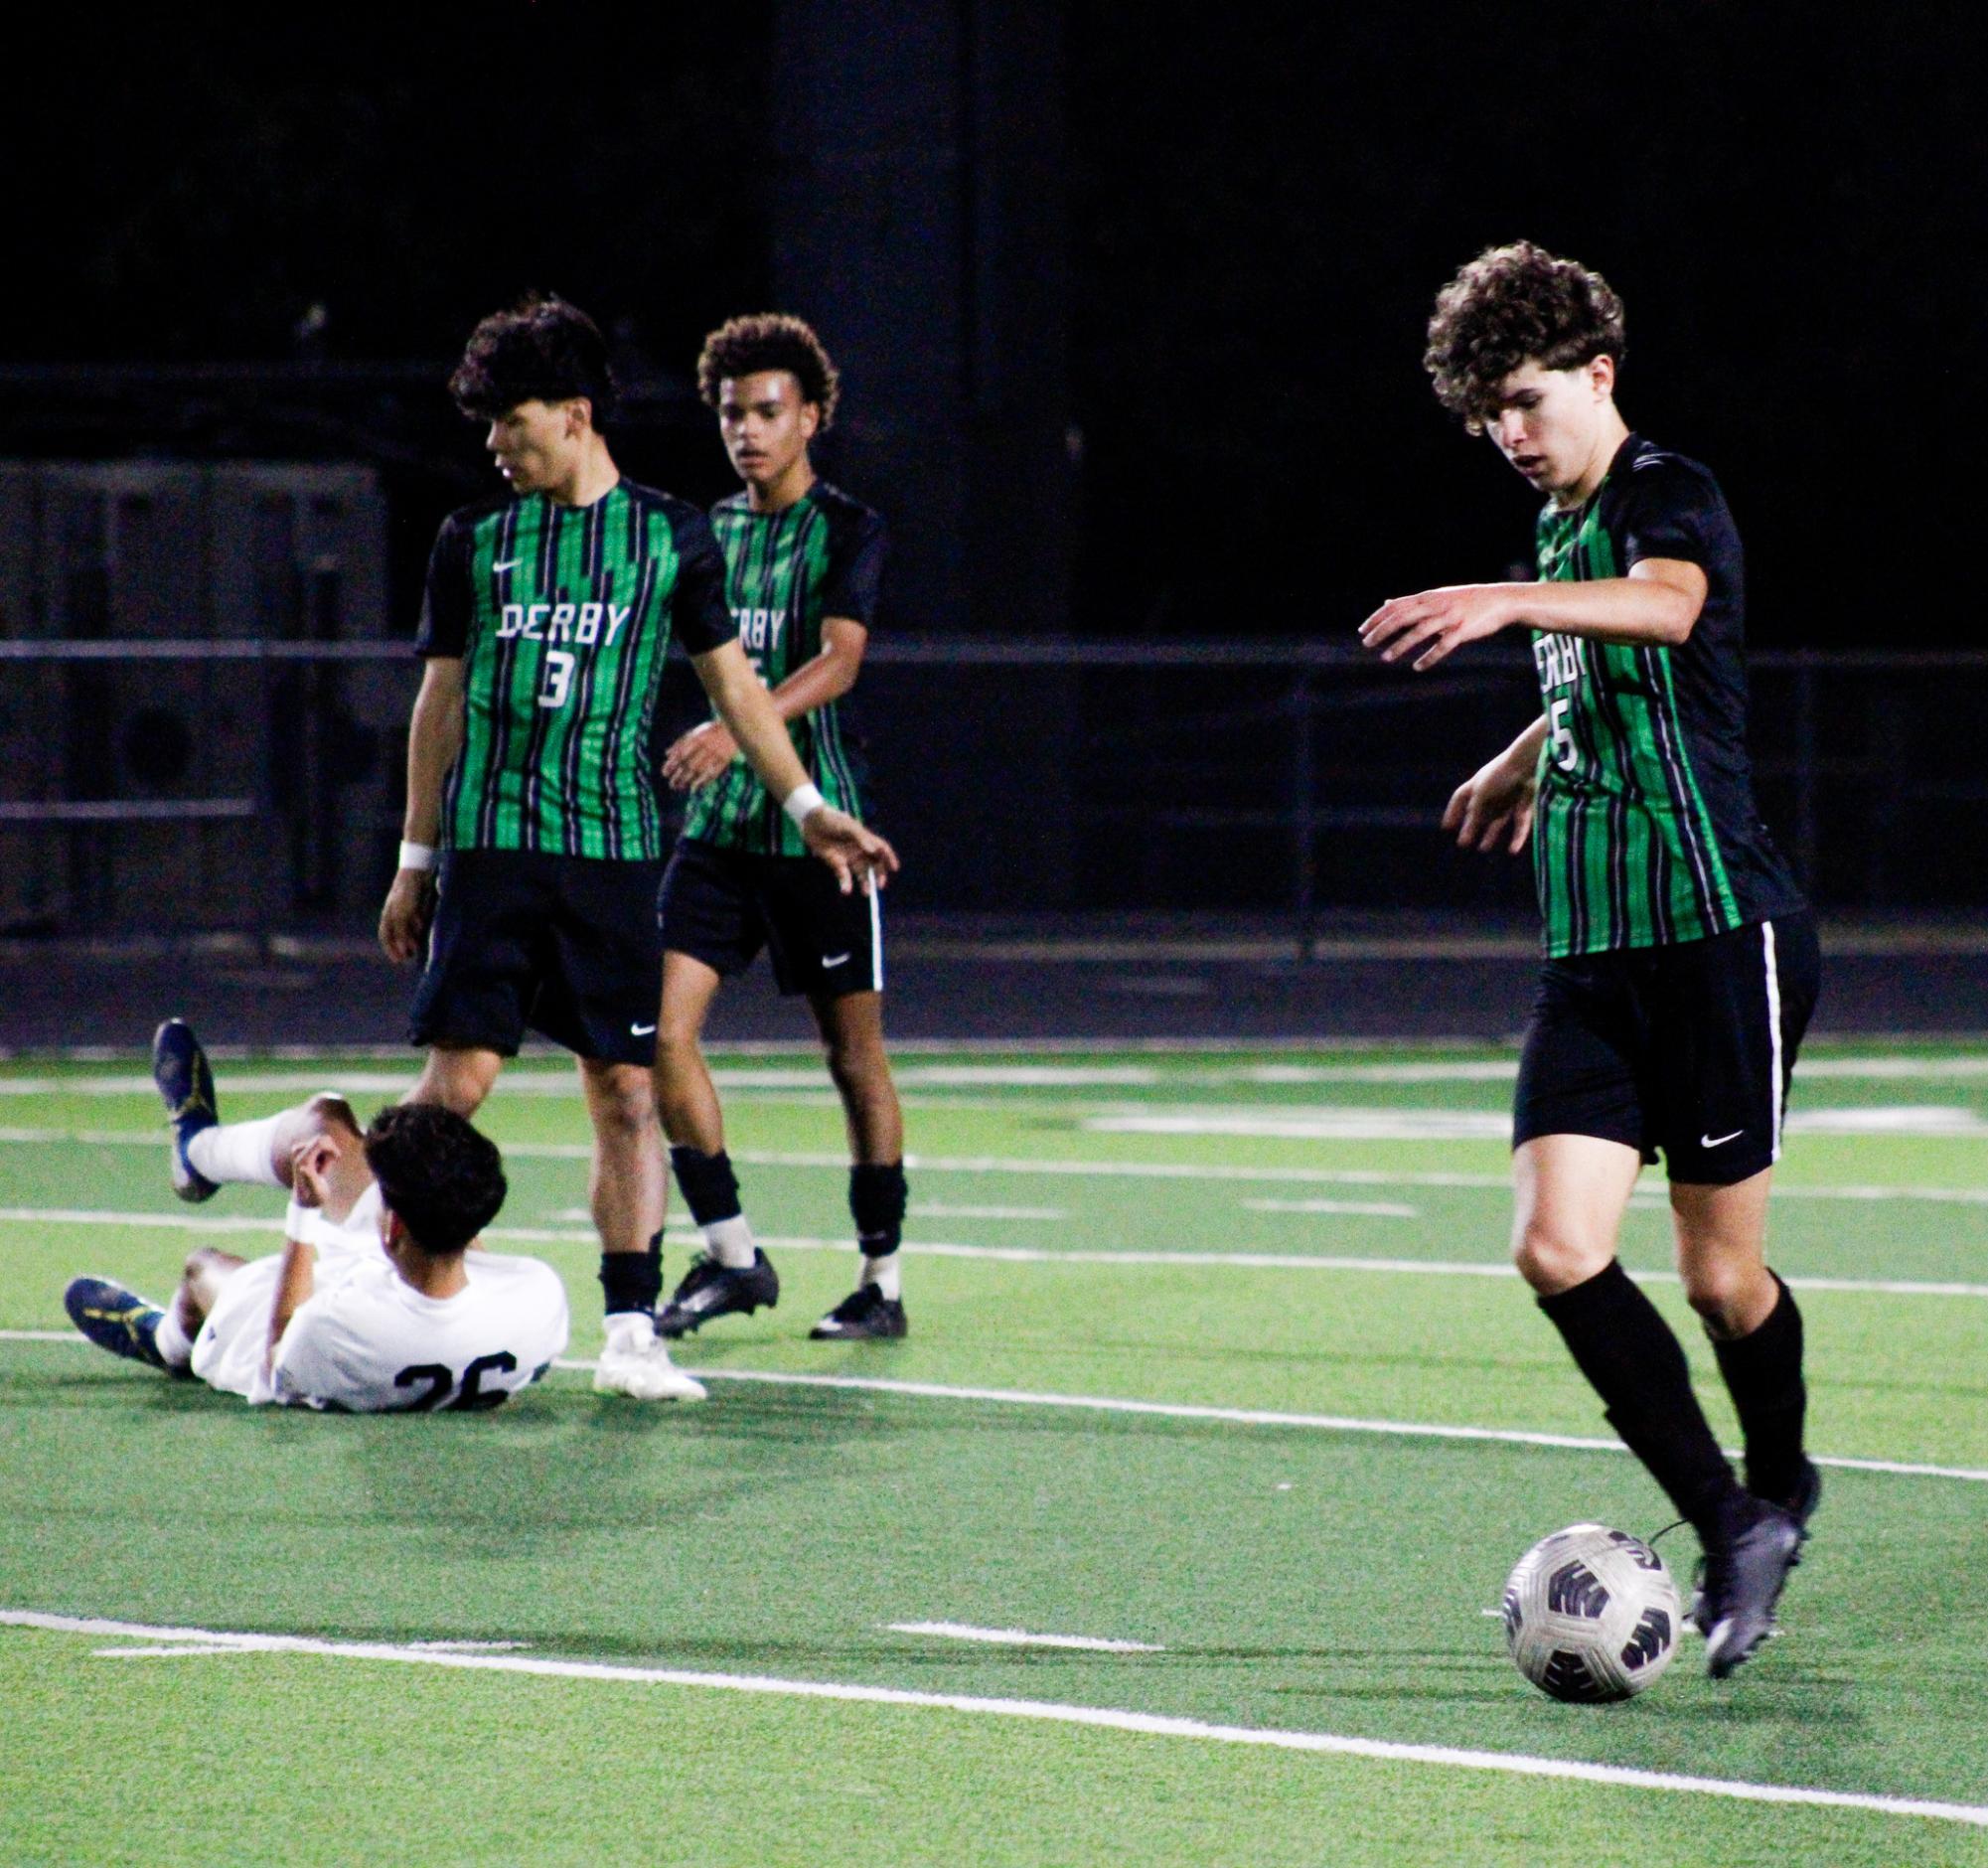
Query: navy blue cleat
point(186, 1085)
point(116, 1318)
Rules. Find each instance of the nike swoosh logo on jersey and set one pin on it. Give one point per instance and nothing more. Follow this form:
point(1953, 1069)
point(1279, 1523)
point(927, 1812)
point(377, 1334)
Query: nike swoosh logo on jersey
point(640, 1031)
point(1706, 1141)
point(833, 960)
point(510, 563)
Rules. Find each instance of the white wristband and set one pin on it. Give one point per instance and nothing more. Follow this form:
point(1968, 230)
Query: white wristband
point(800, 802)
point(417, 855)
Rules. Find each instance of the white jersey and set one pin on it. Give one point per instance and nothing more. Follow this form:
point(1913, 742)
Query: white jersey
point(370, 1343)
point(367, 1341)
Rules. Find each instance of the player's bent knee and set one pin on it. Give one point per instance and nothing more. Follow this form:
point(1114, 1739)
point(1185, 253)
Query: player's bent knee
point(1550, 1261)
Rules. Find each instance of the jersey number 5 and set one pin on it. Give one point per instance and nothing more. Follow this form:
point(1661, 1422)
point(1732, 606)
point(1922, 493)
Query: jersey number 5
point(1565, 754)
point(558, 677)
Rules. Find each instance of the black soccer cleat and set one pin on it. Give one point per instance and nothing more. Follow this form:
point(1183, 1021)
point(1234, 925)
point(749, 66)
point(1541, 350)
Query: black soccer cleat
point(186, 1086)
point(865, 1315)
point(1800, 1504)
point(116, 1320)
point(1746, 1570)
point(712, 1290)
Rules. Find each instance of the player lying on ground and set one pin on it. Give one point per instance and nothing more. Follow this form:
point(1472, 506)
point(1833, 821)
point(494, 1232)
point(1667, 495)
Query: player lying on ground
point(381, 1300)
point(548, 621)
point(804, 563)
point(1681, 964)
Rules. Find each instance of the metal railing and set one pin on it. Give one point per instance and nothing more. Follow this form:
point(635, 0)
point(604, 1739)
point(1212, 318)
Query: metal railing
point(1295, 778)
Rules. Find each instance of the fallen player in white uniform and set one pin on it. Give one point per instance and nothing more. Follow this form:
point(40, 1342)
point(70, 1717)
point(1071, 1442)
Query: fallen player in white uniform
point(381, 1300)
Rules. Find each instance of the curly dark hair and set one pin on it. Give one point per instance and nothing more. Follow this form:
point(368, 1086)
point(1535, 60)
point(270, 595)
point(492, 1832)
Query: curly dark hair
point(539, 347)
point(770, 340)
point(1509, 306)
point(442, 1178)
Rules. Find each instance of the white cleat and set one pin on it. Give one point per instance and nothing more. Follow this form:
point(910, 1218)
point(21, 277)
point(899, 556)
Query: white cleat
point(635, 1362)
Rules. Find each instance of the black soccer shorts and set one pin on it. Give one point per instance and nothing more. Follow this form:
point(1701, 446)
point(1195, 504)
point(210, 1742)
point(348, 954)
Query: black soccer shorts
point(564, 945)
point(1687, 1049)
point(721, 906)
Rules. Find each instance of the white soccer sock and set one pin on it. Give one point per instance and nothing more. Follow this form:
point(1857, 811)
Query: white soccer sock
point(730, 1242)
point(629, 1331)
point(237, 1150)
point(171, 1339)
point(883, 1273)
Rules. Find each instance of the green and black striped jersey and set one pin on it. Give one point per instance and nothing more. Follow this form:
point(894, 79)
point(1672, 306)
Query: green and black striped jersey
point(1646, 831)
point(563, 617)
point(786, 571)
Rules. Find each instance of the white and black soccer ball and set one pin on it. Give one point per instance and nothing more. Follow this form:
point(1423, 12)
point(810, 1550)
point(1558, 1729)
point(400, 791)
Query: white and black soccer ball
point(1591, 1615)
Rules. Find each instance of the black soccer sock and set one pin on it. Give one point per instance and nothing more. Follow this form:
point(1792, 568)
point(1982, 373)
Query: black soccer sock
point(1636, 1366)
point(877, 1196)
point(632, 1281)
point(1762, 1371)
point(710, 1188)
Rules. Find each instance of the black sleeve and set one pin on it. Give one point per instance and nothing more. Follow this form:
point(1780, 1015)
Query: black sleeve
point(698, 613)
point(854, 577)
point(445, 605)
point(1669, 511)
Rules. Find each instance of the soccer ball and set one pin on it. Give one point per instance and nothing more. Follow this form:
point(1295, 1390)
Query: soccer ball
point(1591, 1615)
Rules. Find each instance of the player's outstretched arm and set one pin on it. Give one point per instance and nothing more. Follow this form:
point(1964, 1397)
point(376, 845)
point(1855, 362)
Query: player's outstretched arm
point(1494, 803)
point(434, 738)
point(854, 854)
point(699, 757)
point(1656, 605)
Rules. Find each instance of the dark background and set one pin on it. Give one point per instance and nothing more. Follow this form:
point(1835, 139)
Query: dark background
point(1129, 300)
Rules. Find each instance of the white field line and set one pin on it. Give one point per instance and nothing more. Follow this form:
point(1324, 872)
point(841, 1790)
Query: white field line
point(1861, 1194)
point(1175, 1409)
point(1156, 1725)
point(1019, 1254)
point(1379, 1209)
point(943, 1209)
point(1259, 1417)
point(1019, 1638)
point(806, 1073)
point(1352, 1121)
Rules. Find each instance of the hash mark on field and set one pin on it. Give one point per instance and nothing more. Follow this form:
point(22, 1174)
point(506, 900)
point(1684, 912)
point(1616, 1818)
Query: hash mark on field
point(1020, 1638)
point(941, 1209)
point(1379, 1209)
point(1151, 1724)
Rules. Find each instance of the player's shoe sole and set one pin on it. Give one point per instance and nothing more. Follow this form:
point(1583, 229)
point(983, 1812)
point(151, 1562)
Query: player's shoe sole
point(712, 1290)
point(186, 1087)
point(650, 1377)
point(116, 1320)
point(865, 1316)
point(1743, 1581)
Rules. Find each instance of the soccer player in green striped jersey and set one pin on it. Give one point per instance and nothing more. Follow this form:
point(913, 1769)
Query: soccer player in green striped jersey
point(530, 772)
point(803, 564)
point(1681, 964)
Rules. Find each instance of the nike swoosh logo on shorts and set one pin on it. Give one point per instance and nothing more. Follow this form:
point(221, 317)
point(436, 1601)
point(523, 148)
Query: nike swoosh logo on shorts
point(1706, 1141)
point(510, 563)
point(640, 1031)
point(833, 960)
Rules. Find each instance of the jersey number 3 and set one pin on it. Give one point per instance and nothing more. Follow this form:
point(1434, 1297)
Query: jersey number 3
point(558, 678)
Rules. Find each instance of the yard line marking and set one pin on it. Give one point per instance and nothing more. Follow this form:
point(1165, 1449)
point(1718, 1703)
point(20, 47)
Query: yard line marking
point(1151, 1724)
point(1257, 1417)
point(1019, 1638)
point(1029, 1254)
point(1352, 1121)
point(941, 1209)
point(166, 1652)
point(1246, 1417)
point(1380, 1209)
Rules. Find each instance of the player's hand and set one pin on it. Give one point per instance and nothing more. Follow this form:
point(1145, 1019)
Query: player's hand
point(403, 922)
point(699, 757)
point(1493, 805)
point(310, 1164)
point(854, 854)
point(1438, 621)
